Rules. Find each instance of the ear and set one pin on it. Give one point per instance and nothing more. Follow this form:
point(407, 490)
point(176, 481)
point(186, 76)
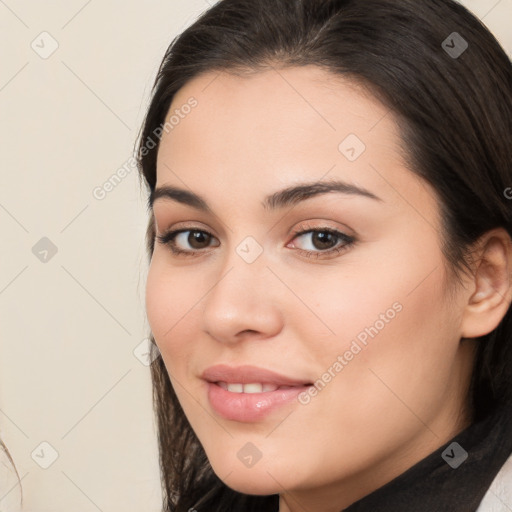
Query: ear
point(491, 285)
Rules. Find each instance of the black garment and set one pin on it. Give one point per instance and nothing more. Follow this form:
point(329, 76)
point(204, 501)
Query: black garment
point(432, 485)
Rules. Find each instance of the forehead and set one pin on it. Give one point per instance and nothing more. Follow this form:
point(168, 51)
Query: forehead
point(288, 104)
point(280, 125)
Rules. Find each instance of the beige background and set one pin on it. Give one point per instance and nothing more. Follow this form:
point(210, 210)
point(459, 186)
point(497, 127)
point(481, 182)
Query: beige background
point(69, 377)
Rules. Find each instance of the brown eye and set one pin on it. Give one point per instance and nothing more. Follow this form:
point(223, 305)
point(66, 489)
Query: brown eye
point(322, 240)
point(187, 241)
point(198, 239)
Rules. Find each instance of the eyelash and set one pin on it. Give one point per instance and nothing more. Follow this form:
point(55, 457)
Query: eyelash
point(168, 237)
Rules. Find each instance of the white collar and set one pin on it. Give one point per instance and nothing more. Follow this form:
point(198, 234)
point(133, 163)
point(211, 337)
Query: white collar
point(499, 495)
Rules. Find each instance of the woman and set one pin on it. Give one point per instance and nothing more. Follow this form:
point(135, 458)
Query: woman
point(331, 259)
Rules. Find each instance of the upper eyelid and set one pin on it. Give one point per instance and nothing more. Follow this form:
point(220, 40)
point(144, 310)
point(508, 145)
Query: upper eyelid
point(295, 232)
point(196, 226)
point(177, 227)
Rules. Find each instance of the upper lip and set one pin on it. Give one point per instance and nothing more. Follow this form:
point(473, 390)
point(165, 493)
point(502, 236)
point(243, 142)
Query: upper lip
point(248, 374)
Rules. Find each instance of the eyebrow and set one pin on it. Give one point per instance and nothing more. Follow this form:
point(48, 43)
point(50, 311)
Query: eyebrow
point(287, 197)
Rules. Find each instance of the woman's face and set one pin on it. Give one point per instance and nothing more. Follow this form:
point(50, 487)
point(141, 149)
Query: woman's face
point(357, 304)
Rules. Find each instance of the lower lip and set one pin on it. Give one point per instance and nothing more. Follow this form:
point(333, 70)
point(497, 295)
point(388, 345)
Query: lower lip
point(249, 407)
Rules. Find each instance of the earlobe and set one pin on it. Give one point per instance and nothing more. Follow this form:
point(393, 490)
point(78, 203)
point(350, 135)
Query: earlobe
point(492, 292)
point(478, 297)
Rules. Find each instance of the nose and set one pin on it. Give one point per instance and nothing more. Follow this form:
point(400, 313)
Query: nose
point(243, 303)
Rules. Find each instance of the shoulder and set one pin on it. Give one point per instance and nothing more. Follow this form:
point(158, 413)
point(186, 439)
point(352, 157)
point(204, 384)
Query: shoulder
point(499, 495)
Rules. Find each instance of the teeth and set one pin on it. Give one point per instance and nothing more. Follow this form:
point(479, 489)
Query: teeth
point(236, 388)
point(255, 387)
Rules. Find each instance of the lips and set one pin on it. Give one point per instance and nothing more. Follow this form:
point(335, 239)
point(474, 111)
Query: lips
point(249, 375)
point(247, 393)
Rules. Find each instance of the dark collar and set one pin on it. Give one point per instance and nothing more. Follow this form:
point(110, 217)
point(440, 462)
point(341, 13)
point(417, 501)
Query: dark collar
point(433, 485)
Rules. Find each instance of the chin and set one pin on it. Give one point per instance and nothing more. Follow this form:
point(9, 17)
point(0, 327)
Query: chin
point(250, 481)
point(253, 487)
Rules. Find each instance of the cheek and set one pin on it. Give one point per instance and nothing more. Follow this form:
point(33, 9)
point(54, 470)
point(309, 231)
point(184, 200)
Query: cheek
point(158, 309)
point(397, 343)
point(170, 301)
point(364, 304)
point(388, 319)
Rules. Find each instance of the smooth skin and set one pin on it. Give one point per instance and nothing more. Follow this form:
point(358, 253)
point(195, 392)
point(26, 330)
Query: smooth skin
point(295, 309)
